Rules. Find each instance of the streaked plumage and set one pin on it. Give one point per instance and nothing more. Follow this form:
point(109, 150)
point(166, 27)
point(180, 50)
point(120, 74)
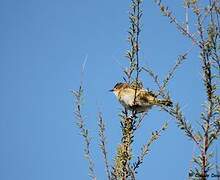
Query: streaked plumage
point(144, 100)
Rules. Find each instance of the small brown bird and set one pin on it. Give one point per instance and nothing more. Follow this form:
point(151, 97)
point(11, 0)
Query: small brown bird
point(137, 99)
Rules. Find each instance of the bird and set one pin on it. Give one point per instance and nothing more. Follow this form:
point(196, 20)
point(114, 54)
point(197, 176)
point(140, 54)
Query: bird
point(136, 98)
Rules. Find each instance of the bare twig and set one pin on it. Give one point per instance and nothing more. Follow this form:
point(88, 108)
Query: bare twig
point(78, 94)
point(83, 131)
point(140, 119)
point(181, 122)
point(166, 12)
point(103, 144)
point(207, 41)
point(169, 76)
point(124, 152)
point(146, 148)
point(187, 16)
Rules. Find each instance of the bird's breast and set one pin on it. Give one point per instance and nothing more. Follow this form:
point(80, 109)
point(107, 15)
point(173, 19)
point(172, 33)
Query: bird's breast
point(127, 97)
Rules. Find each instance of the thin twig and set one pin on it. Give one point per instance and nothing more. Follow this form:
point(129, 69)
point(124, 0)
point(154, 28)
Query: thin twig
point(187, 17)
point(80, 122)
point(83, 130)
point(103, 144)
point(169, 75)
point(140, 119)
point(166, 12)
point(124, 152)
point(146, 148)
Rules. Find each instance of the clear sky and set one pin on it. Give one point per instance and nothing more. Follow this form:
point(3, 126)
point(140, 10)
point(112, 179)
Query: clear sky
point(43, 45)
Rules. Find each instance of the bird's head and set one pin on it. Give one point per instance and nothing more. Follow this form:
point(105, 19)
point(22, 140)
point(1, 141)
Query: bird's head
point(119, 86)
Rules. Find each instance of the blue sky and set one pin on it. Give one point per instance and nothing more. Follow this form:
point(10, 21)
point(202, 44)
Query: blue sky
point(43, 45)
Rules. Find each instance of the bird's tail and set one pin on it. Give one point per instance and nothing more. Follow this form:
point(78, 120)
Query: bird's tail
point(164, 102)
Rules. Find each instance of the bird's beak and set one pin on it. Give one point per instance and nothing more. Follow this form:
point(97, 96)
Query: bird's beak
point(111, 90)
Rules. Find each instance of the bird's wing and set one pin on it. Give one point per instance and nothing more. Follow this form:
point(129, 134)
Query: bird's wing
point(145, 98)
